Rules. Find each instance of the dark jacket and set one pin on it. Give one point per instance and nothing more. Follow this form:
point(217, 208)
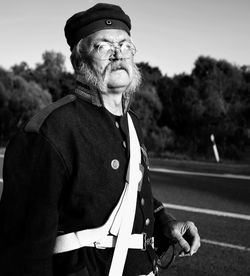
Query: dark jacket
point(59, 177)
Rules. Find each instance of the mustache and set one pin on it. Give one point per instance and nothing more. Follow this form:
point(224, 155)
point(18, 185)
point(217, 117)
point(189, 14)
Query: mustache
point(95, 79)
point(116, 65)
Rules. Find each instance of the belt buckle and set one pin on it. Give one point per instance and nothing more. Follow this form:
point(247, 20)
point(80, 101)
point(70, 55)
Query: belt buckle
point(97, 245)
point(147, 241)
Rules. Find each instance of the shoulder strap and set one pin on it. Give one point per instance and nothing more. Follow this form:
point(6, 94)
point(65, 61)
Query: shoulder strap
point(134, 176)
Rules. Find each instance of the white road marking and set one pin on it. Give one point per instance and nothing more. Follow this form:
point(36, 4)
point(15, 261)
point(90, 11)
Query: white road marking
point(227, 245)
point(225, 175)
point(207, 211)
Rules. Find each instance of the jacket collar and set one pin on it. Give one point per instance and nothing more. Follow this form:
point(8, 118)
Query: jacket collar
point(93, 95)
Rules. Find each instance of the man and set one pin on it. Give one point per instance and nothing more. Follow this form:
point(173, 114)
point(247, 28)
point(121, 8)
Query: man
point(68, 202)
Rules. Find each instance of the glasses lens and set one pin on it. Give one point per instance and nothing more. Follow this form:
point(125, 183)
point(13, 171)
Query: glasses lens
point(104, 50)
point(128, 49)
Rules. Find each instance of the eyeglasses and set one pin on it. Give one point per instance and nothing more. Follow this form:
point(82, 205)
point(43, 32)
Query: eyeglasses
point(107, 49)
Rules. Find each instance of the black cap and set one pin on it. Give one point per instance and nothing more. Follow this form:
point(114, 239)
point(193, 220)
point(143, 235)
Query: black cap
point(99, 17)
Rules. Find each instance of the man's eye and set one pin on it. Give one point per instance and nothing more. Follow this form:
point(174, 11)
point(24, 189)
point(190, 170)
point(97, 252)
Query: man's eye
point(125, 45)
point(103, 47)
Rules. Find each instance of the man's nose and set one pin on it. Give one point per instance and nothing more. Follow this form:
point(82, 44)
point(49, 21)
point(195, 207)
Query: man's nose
point(117, 54)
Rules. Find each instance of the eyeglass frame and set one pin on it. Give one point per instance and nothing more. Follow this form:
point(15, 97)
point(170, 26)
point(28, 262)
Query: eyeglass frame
point(113, 47)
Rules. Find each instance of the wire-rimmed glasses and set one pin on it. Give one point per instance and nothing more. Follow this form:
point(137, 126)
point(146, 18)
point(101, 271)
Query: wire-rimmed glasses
point(106, 50)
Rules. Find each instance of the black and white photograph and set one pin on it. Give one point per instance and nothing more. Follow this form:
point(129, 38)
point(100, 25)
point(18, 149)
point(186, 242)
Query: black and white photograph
point(125, 138)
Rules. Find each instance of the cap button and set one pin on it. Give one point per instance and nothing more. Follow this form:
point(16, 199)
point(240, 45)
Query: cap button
point(108, 22)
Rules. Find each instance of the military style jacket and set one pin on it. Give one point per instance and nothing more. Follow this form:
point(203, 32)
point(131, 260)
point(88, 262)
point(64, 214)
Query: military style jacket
point(64, 172)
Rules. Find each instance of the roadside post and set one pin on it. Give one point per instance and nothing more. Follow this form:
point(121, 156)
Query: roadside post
point(216, 154)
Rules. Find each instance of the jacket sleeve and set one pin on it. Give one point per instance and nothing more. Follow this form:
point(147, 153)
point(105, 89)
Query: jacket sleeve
point(33, 174)
point(162, 216)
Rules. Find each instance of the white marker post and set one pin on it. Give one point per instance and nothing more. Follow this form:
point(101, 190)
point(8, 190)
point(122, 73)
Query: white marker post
point(216, 154)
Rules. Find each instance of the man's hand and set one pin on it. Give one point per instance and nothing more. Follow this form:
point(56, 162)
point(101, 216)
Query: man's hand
point(185, 234)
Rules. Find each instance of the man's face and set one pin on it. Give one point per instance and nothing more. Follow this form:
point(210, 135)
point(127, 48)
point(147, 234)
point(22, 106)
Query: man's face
point(116, 70)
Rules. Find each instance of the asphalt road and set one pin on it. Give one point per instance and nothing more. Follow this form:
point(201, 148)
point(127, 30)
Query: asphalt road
point(225, 235)
point(220, 207)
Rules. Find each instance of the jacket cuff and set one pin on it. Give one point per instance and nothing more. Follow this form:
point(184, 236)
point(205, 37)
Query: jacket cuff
point(161, 215)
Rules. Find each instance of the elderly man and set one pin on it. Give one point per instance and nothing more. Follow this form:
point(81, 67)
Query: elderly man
point(76, 182)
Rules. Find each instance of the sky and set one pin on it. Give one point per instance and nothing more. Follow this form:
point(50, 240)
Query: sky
point(169, 34)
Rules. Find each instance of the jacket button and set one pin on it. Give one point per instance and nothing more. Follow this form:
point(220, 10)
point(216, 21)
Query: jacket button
point(147, 221)
point(117, 124)
point(115, 164)
point(124, 144)
point(142, 201)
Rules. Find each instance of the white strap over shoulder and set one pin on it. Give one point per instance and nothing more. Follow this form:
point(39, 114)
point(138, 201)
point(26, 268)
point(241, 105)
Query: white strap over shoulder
point(87, 237)
point(118, 228)
point(134, 176)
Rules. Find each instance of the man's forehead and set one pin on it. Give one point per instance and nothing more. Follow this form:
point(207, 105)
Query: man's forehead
point(111, 35)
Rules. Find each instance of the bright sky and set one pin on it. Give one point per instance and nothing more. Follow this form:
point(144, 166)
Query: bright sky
point(168, 34)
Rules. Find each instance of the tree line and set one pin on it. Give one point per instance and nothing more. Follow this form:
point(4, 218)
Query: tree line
point(178, 114)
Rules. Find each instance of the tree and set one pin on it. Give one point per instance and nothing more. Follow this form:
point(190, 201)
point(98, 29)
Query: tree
point(26, 99)
point(146, 102)
point(182, 109)
point(67, 83)
point(23, 70)
point(224, 95)
point(5, 79)
point(49, 73)
point(148, 107)
point(19, 101)
point(149, 74)
point(5, 114)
